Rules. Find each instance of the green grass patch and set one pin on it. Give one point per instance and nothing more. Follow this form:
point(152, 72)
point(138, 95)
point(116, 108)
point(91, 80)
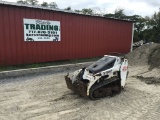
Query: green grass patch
point(36, 65)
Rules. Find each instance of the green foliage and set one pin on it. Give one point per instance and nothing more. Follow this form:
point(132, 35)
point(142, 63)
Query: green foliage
point(87, 11)
point(44, 4)
point(152, 33)
point(139, 22)
point(68, 8)
point(28, 2)
point(53, 5)
point(109, 15)
point(155, 19)
point(78, 11)
point(119, 13)
point(136, 36)
point(139, 26)
point(32, 2)
point(22, 2)
point(35, 2)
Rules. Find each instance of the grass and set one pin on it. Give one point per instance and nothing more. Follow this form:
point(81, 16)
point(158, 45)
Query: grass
point(36, 65)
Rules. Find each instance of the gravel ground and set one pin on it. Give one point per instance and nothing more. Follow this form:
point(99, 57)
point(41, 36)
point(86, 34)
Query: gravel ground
point(46, 97)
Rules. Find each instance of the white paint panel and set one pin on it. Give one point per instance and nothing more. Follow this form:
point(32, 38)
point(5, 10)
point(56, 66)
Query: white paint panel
point(41, 30)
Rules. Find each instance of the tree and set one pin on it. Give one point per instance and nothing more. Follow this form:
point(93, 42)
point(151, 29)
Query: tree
point(22, 2)
point(68, 8)
point(109, 15)
point(53, 5)
point(139, 26)
point(87, 11)
point(98, 11)
point(153, 24)
point(119, 13)
point(32, 2)
point(155, 19)
point(78, 11)
point(140, 22)
point(44, 4)
point(148, 22)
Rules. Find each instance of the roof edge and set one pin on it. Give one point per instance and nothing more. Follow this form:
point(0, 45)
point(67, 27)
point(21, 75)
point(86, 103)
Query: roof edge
point(58, 10)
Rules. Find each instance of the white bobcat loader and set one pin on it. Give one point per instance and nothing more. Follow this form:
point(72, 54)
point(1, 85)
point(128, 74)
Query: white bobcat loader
point(105, 77)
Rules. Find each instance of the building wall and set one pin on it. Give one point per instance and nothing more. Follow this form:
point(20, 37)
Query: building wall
point(81, 36)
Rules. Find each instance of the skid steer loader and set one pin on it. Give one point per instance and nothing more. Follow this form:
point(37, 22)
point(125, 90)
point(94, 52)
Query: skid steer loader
point(105, 77)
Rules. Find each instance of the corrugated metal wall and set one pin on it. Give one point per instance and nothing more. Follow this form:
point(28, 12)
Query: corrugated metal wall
point(81, 36)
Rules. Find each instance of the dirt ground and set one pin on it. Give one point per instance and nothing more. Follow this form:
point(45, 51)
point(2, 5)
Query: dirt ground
point(46, 97)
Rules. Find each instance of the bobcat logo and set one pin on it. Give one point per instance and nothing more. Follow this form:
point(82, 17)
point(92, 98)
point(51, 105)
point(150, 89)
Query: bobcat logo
point(29, 39)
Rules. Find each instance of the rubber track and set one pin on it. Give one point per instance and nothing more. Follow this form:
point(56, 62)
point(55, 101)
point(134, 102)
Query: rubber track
point(99, 85)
